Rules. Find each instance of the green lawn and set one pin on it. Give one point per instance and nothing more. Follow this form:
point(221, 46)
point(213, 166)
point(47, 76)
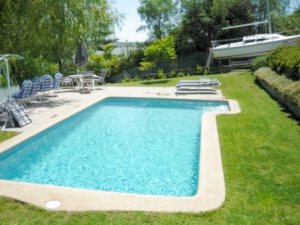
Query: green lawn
point(6, 135)
point(261, 155)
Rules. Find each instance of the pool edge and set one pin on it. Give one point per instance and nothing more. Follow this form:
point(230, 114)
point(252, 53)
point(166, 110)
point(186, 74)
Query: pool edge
point(209, 196)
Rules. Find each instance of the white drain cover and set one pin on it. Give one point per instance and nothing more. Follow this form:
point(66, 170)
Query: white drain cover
point(53, 204)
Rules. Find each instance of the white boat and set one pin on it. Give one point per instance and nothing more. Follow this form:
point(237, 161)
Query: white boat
point(252, 46)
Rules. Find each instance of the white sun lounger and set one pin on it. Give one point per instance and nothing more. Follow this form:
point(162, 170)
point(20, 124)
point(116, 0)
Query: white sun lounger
point(200, 82)
point(195, 90)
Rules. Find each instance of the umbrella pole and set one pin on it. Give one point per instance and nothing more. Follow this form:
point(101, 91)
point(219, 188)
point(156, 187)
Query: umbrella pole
point(8, 79)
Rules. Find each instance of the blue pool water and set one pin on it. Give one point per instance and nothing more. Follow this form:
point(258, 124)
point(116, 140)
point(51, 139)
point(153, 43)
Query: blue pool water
point(143, 146)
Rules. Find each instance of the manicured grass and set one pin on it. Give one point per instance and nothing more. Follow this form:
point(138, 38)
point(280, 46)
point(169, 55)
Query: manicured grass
point(261, 154)
point(4, 135)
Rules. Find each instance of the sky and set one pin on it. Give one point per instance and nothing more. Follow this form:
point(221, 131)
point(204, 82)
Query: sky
point(131, 21)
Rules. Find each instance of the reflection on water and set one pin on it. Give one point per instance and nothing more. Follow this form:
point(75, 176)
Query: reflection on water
point(4, 92)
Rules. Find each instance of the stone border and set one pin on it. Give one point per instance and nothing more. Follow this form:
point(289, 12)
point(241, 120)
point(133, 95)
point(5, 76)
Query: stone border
point(211, 187)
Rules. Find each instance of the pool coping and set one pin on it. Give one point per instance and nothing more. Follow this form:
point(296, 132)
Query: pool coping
point(211, 187)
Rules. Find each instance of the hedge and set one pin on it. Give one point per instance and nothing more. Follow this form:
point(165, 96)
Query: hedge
point(283, 89)
point(286, 59)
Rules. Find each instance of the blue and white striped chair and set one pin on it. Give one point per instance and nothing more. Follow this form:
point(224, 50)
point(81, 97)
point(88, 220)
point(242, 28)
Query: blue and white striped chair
point(36, 86)
point(46, 85)
point(56, 82)
point(24, 93)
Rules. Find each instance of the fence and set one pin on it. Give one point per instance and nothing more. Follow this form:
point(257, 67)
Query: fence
point(184, 64)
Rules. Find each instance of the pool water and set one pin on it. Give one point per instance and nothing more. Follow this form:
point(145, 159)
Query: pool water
point(131, 145)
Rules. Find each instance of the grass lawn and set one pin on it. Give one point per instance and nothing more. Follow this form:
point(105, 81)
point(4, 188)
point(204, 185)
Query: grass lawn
point(261, 155)
point(6, 135)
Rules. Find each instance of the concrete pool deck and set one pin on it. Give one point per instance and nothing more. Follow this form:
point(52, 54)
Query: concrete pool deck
point(211, 187)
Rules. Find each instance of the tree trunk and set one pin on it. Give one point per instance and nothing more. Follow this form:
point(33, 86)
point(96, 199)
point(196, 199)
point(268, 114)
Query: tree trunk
point(60, 66)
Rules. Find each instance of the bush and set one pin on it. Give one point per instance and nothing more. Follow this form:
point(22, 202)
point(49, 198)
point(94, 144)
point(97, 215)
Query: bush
point(181, 74)
point(160, 74)
point(136, 78)
point(259, 62)
point(172, 74)
point(145, 66)
point(199, 70)
point(287, 60)
point(206, 71)
point(30, 67)
point(126, 79)
point(290, 90)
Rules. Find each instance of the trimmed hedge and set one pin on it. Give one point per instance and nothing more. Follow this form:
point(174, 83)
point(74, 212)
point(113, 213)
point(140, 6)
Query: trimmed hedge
point(286, 60)
point(283, 89)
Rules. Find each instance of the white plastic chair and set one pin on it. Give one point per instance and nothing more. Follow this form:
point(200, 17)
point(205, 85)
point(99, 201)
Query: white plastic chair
point(87, 82)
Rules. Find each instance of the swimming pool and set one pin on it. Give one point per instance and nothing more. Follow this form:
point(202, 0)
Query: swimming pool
point(129, 145)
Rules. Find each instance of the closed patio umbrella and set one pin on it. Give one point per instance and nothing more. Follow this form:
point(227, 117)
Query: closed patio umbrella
point(81, 55)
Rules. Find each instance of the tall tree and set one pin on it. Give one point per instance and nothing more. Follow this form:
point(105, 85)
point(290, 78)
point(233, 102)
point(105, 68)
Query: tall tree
point(290, 24)
point(202, 21)
point(52, 29)
point(278, 9)
point(238, 13)
point(158, 15)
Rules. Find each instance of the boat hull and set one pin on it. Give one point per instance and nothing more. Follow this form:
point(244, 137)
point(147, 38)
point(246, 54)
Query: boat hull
point(251, 49)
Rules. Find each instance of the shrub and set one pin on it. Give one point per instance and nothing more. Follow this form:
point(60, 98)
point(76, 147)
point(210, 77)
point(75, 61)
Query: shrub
point(181, 74)
point(136, 78)
point(160, 74)
point(126, 79)
point(30, 67)
point(206, 71)
point(172, 74)
point(96, 61)
point(259, 62)
point(286, 59)
point(159, 53)
point(199, 70)
point(289, 89)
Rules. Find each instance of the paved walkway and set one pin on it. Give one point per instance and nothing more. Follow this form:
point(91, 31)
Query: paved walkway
point(70, 101)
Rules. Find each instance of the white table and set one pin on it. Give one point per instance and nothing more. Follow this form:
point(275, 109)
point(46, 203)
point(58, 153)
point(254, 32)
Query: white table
point(77, 78)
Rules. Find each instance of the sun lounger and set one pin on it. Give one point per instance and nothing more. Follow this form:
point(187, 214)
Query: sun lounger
point(195, 90)
point(200, 82)
point(36, 86)
point(56, 82)
point(46, 84)
point(17, 115)
point(193, 81)
point(24, 93)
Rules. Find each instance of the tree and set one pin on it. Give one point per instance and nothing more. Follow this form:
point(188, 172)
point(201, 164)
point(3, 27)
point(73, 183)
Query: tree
point(278, 9)
point(202, 21)
point(158, 15)
point(238, 13)
point(66, 23)
point(159, 53)
point(52, 30)
point(290, 24)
